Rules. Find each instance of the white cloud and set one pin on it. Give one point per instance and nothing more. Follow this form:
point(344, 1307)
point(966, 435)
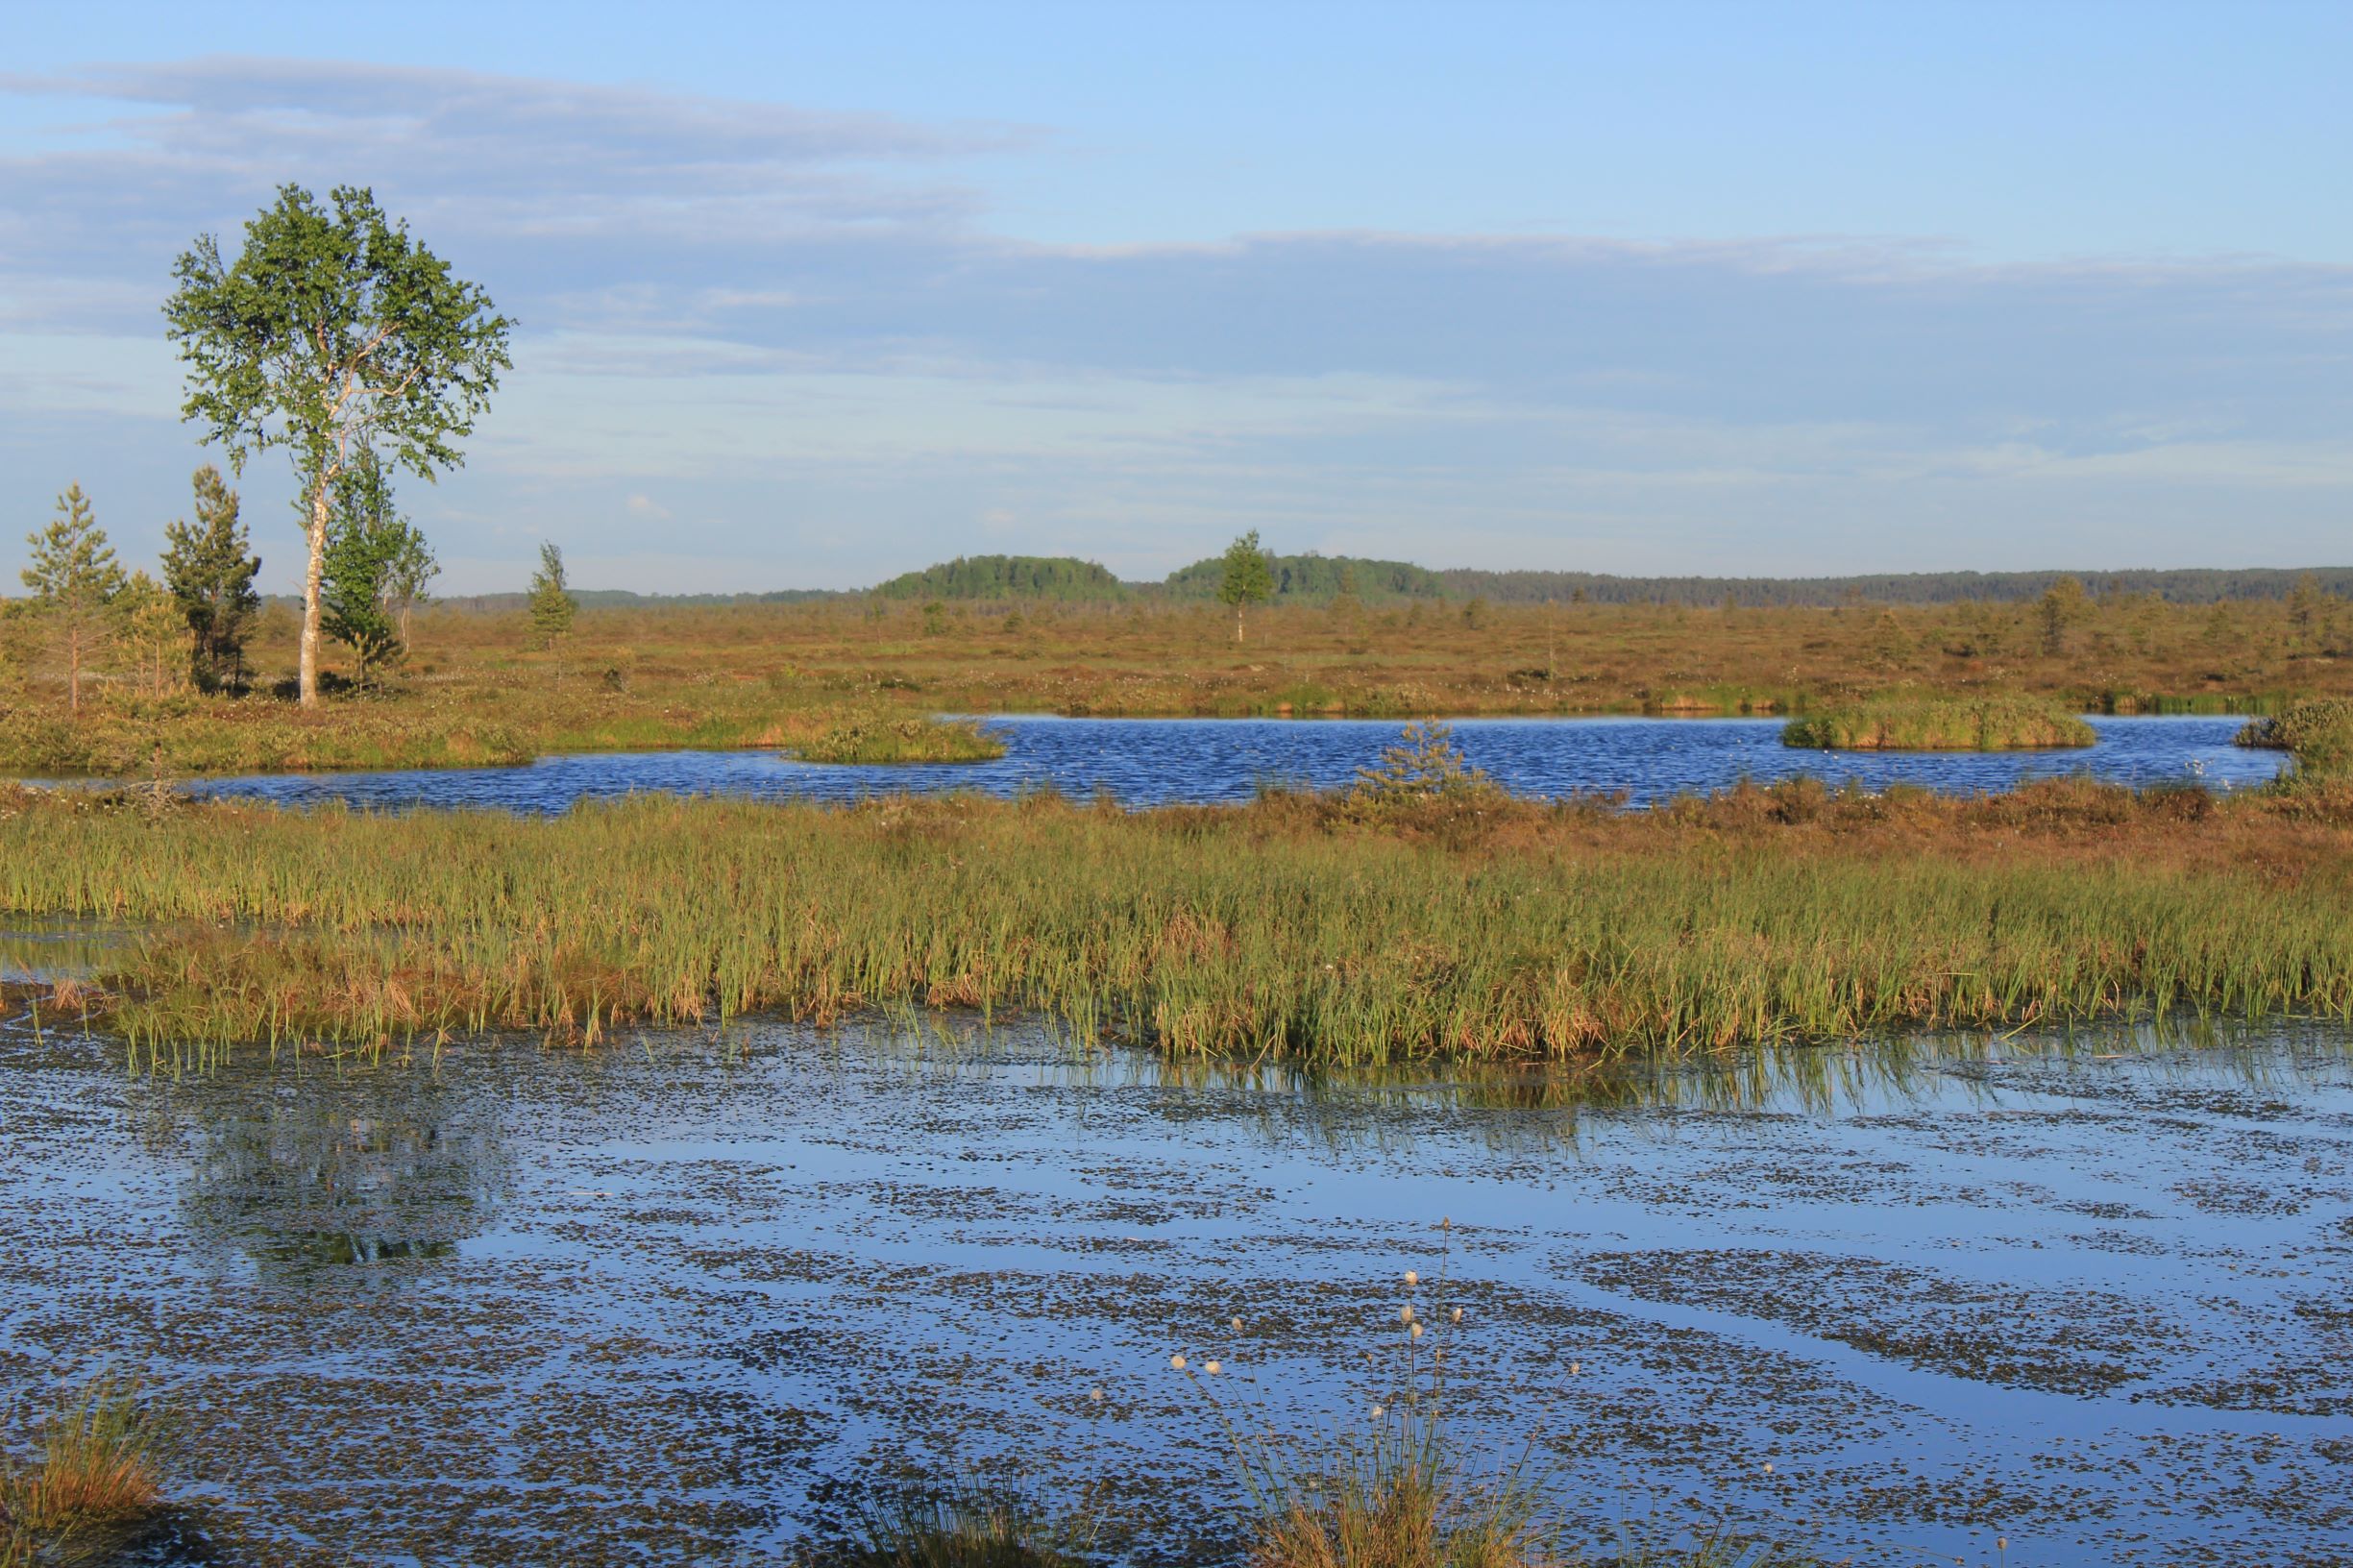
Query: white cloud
point(794, 330)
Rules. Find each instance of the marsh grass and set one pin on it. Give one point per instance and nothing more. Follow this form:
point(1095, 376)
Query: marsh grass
point(503, 722)
point(1940, 724)
point(91, 1483)
point(1398, 1488)
point(1308, 928)
point(874, 735)
point(970, 1524)
point(475, 691)
point(1392, 1490)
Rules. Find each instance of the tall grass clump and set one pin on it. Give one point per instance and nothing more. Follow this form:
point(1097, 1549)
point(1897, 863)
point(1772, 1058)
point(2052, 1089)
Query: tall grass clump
point(1395, 1491)
point(969, 1525)
point(2316, 731)
point(1939, 724)
point(91, 1482)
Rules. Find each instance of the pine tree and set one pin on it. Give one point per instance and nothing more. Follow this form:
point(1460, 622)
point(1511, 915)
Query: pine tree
point(75, 579)
point(551, 607)
point(210, 574)
point(157, 631)
point(375, 563)
point(2062, 607)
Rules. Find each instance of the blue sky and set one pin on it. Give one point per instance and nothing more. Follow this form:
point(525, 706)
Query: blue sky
point(811, 295)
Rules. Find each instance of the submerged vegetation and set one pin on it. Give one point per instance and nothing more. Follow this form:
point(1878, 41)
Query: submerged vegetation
point(1351, 928)
point(1983, 723)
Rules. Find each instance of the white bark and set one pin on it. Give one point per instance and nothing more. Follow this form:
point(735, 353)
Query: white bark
point(313, 576)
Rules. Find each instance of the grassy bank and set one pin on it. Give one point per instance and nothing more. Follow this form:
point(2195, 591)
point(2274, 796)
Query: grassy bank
point(1984, 723)
point(187, 734)
point(474, 689)
point(1322, 928)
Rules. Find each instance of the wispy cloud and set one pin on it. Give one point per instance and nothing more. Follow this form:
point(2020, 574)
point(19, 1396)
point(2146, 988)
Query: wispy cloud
point(775, 327)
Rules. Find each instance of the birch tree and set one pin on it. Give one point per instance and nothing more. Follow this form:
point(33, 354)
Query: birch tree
point(332, 333)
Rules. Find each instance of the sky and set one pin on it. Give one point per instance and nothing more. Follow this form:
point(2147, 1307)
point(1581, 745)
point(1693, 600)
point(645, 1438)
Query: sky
point(811, 295)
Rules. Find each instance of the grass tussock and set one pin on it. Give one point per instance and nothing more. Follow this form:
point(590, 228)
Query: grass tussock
point(91, 1483)
point(1978, 724)
point(971, 1525)
point(1336, 928)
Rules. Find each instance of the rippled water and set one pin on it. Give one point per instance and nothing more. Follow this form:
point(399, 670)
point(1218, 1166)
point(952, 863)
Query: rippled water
point(680, 1300)
point(1153, 761)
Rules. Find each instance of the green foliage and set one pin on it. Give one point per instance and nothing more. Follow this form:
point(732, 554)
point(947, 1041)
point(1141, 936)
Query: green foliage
point(1933, 724)
point(210, 571)
point(1424, 766)
point(154, 627)
point(75, 579)
point(2317, 732)
point(1246, 579)
point(1061, 578)
point(1312, 580)
point(551, 606)
point(332, 333)
point(2062, 608)
point(377, 563)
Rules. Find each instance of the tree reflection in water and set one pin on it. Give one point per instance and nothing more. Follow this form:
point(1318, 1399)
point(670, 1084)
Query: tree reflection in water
point(314, 1172)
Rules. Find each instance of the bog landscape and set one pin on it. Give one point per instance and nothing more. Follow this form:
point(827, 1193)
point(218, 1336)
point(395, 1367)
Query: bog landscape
point(1299, 1058)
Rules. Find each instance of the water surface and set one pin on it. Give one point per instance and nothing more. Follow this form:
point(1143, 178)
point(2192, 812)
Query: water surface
point(680, 1300)
point(1157, 761)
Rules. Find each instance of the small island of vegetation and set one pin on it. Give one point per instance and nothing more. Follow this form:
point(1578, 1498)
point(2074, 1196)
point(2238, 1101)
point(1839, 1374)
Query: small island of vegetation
point(1943, 724)
point(2317, 732)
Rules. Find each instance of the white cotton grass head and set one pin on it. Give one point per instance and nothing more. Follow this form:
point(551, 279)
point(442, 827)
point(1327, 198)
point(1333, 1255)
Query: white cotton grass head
point(1455, 1317)
point(1414, 1329)
point(1213, 1369)
point(1237, 1325)
point(1404, 1314)
point(1412, 1276)
point(1094, 1396)
point(1177, 1361)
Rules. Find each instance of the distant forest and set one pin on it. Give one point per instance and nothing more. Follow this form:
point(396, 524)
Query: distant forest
point(1316, 580)
point(1315, 577)
point(1007, 577)
point(2194, 585)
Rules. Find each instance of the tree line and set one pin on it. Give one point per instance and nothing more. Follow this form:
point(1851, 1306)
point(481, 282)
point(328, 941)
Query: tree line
point(1322, 579)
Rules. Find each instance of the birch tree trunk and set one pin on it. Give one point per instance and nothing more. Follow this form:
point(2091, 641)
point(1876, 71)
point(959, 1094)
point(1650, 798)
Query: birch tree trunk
point(313, 576)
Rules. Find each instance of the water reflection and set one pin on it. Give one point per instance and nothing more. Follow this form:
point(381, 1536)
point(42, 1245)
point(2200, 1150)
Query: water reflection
point(45, 951)
point(335, 1172)
point(659, 1301)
